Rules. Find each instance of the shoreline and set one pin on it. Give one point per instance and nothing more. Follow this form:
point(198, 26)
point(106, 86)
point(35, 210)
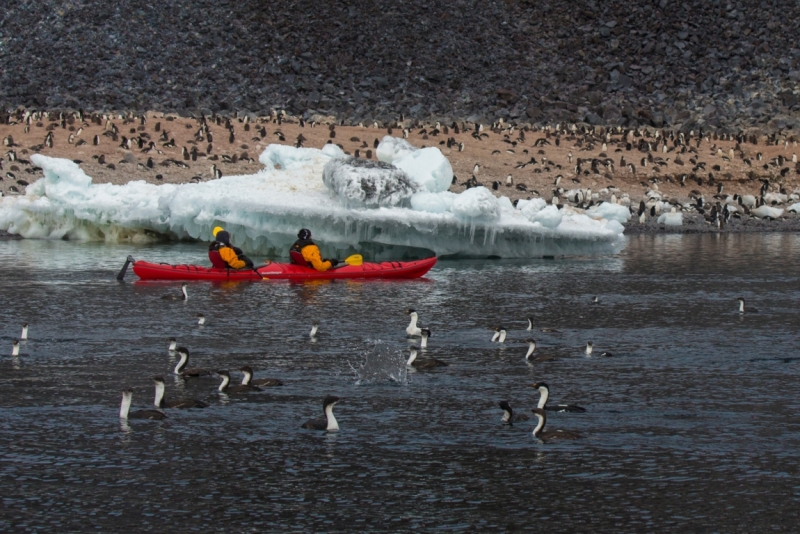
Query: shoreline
point(576, 159)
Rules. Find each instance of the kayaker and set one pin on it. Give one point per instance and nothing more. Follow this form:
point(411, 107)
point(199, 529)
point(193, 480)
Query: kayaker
point(305, 252)
point(223, 255)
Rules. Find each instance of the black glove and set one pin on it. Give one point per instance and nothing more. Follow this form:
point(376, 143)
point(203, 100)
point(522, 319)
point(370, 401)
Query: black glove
point(237, 250)
point(334, 262)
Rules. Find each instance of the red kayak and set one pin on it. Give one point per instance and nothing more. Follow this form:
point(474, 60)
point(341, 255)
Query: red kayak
point(283, 271)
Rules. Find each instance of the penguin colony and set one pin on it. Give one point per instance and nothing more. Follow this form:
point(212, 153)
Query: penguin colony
point(719, 177)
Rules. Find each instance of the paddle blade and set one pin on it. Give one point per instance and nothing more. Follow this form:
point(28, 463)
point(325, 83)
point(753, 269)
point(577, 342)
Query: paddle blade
point(355, 259)
point(124, 269)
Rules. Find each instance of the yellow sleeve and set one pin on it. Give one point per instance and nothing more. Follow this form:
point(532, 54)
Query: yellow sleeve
point(311, 255)
point(229, 256)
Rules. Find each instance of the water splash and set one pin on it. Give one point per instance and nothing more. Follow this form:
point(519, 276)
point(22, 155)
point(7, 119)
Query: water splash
point(381, 364)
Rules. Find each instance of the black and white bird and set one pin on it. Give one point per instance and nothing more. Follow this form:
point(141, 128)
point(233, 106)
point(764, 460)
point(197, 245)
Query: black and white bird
point(423, 363)
point(314, 330)
point(412, 330)
point(181, 370)
point(15, 347)
point(425, 333)
point(742, 308)
point(544, 392)
point(541, 357)
point(125, 407)
point(590, 351)
point(509, 417)
point(24, 335)
point(247, 379)
point(226, 388)
point(499, 334)
point(160, 400)
point(183, 296)
point(550, 435)
point(173, 344)
point(328, 422)
point(201, 319)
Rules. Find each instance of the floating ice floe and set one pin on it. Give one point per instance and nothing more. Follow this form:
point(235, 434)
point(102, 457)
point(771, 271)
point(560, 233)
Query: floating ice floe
point(358, 206)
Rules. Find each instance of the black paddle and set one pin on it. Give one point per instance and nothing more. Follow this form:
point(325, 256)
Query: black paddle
point(124, 269)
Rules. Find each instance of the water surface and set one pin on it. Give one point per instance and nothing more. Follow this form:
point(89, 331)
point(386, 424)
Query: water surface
point(691, 425)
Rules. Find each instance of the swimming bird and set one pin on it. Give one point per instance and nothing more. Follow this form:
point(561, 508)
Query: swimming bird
point(544, 392)
point(201, 319)
point(225, 386)
point(499, 334)
point(313, 333)
point(180, 368)
point(546, 435)
point(541, 358)
point(425, 333)
point(329, 421)
point(125, 407)
point(15, 349)
point(589, 348)
point(173, 344)
point(530, 324)
point(183, 296)
point(412, 330)
point(595, 300)
point(741, 306)
point(160, 400)
point(423, 363)
point(24, 335)
point(509, 418)
point(248, 381)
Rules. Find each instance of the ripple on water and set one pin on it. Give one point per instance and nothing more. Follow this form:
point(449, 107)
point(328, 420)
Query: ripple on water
point(698, 403)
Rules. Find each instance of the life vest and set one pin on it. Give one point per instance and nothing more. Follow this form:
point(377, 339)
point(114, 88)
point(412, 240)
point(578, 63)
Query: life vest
point(296, 252)
point(213, 255)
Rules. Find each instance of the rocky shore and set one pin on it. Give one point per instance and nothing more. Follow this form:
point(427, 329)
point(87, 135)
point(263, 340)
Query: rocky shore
point(711, 65)
point(647, 169)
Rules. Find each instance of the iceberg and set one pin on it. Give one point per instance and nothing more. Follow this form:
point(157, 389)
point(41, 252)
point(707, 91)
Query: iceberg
point(264, 211)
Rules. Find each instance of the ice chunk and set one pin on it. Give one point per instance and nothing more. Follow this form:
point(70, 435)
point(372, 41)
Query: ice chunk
point(390, 149)
point(289, 157)
point(433, 202)
point(476, 203)
point(531, 207)
point(367, 183)
point(505, 203)
point(671, 219)
point(264, 211)
point(333, 151)
point(766, 211)
point(612, 212)
point(427, 166)
point(549, 217)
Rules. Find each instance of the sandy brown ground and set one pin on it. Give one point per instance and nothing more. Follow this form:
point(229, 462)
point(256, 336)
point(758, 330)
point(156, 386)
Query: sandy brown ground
point(497, 152)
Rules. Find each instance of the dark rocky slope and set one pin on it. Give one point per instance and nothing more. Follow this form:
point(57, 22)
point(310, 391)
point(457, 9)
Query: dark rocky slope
point(713, 64)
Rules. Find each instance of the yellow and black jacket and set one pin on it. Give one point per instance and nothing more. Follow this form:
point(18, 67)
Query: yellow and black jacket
point(311, 254)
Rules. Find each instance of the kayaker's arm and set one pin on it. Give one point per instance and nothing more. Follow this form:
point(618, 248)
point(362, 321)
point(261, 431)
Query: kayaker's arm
point(311, 255)
point(231, 258)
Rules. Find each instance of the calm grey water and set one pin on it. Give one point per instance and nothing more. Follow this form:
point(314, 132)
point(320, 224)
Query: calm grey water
point(692, 425)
